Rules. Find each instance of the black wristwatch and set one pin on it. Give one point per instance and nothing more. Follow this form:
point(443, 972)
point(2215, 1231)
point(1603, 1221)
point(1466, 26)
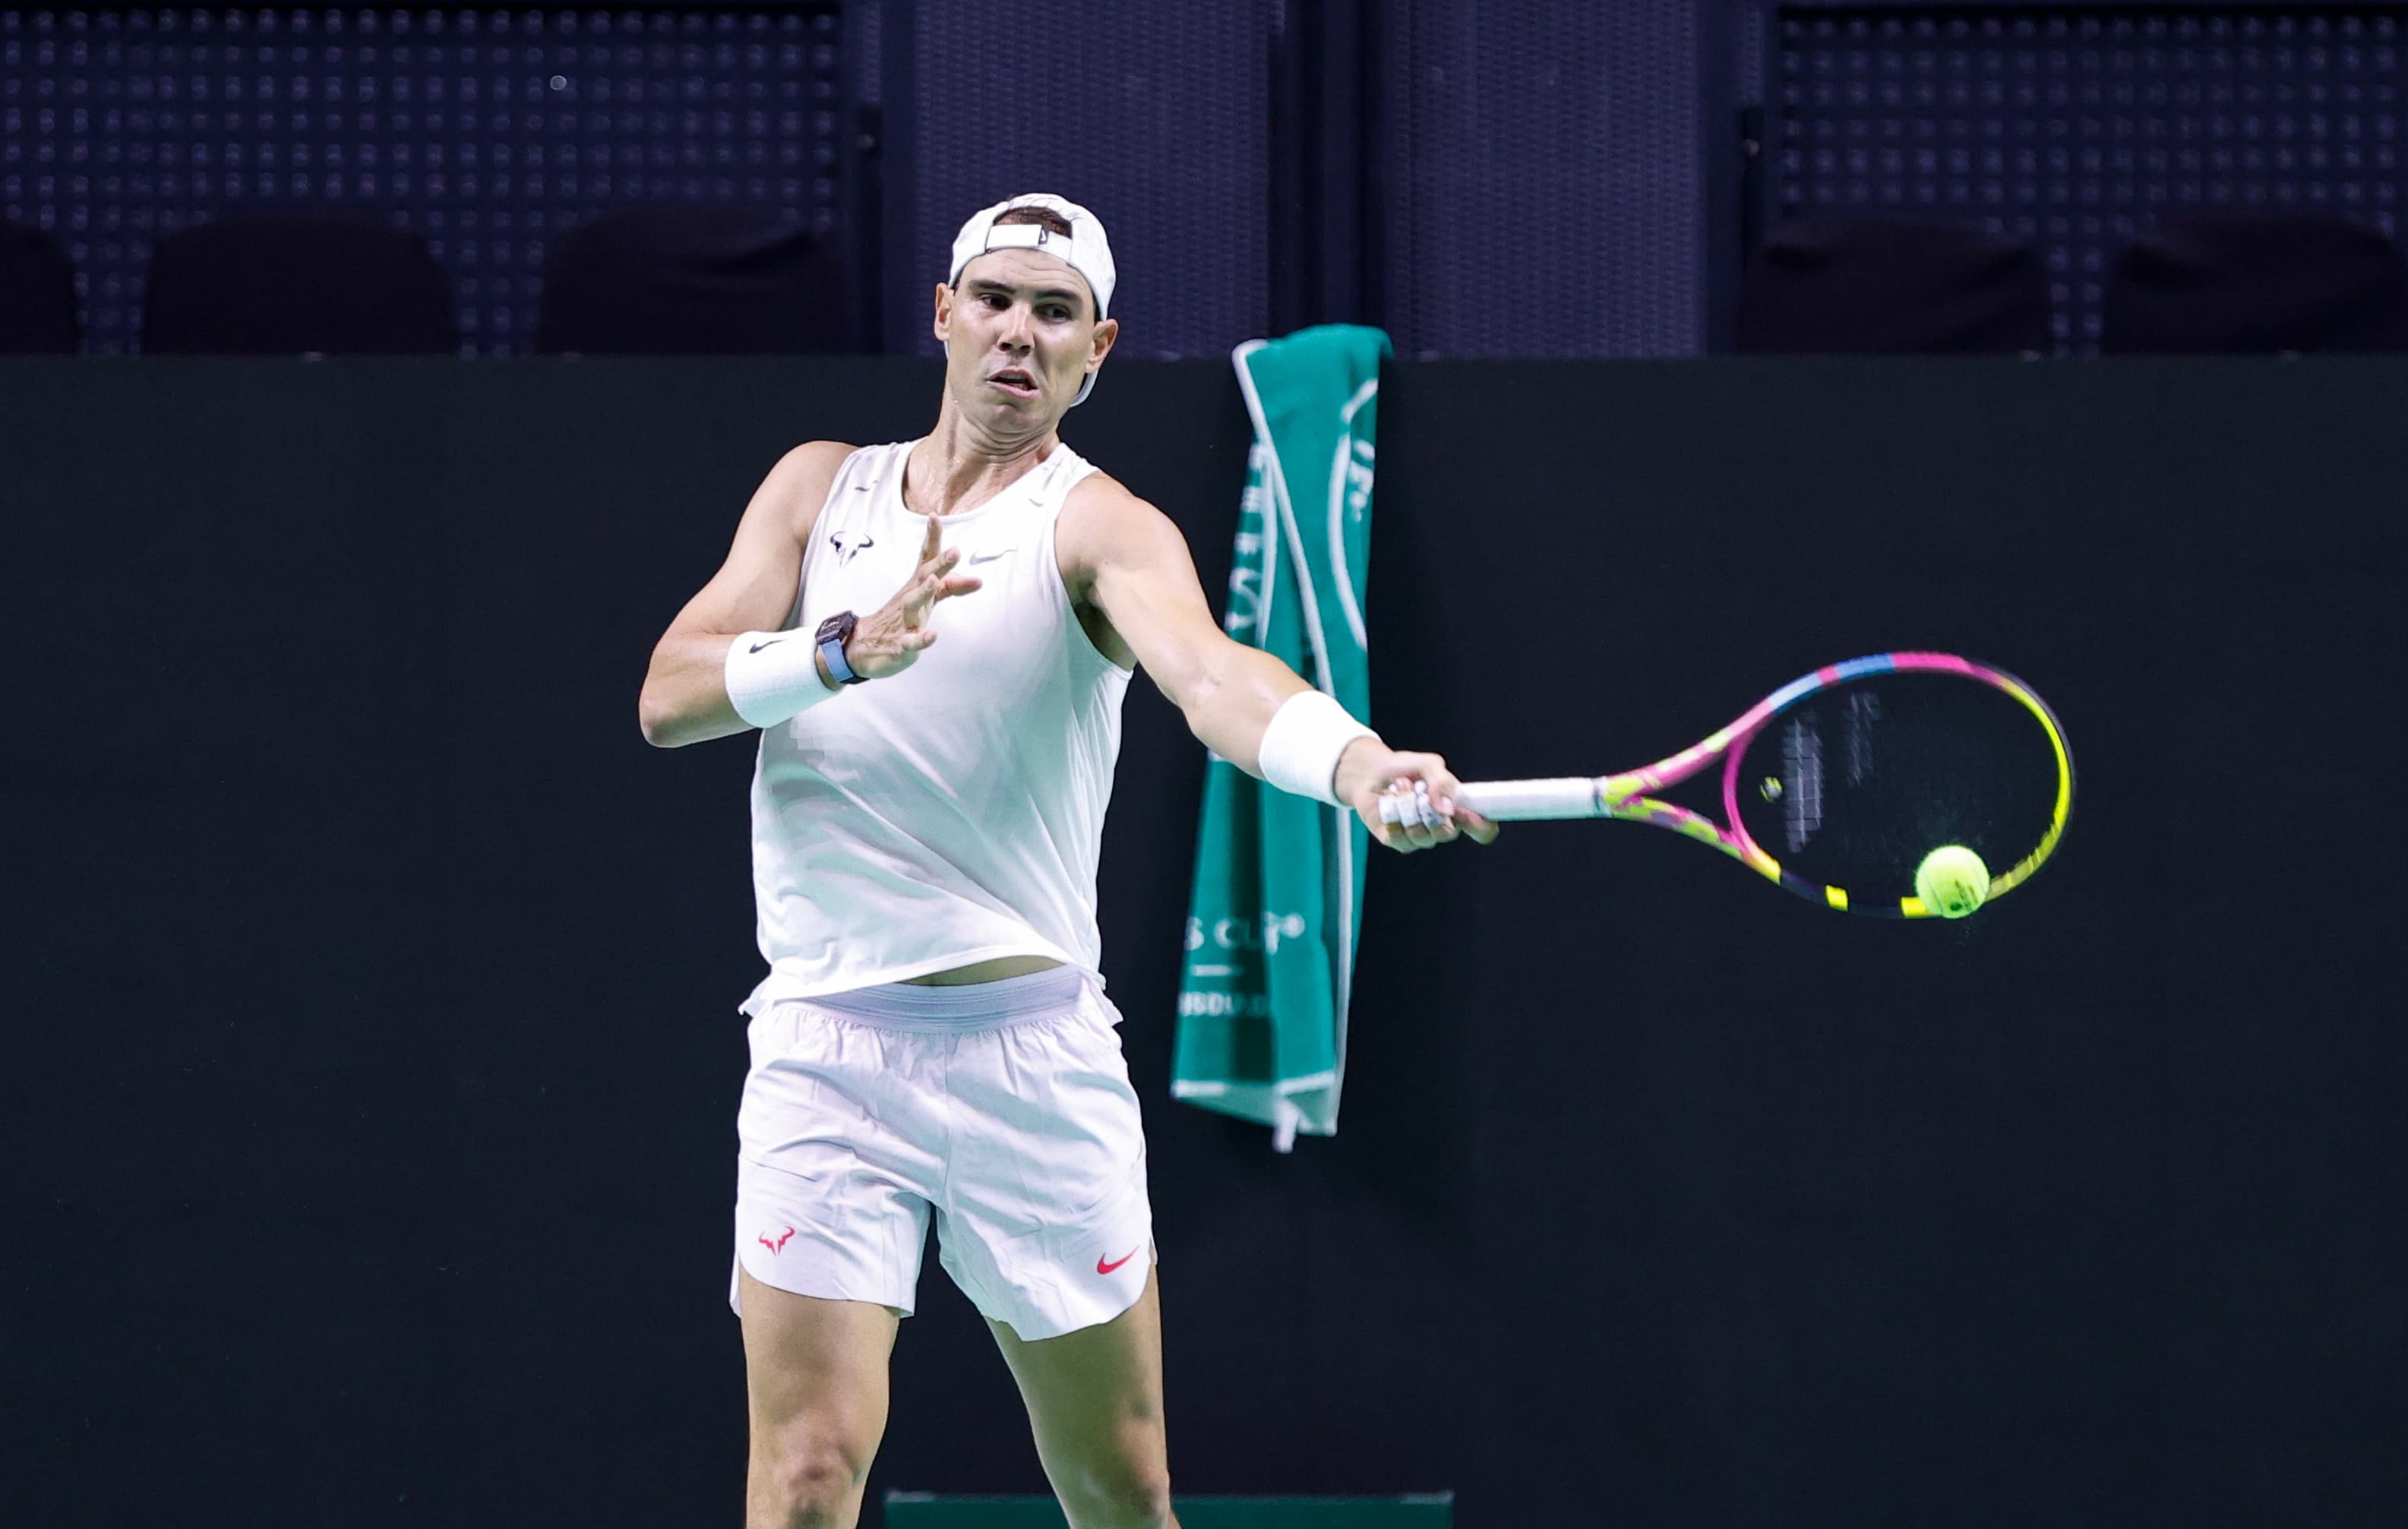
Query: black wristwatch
point(833, 634)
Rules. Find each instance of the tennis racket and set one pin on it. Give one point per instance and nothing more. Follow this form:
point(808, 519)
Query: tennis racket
point(1838, 784)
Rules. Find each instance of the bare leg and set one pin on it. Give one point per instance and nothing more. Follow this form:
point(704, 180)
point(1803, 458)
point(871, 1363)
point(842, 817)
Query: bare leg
point(815, 1381)
point(1095, 1401)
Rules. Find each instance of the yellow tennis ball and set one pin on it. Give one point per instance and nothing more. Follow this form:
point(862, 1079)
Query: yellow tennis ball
point(1952, 881)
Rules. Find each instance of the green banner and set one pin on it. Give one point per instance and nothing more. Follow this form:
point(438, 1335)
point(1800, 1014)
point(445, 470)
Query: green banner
point(1279, 879)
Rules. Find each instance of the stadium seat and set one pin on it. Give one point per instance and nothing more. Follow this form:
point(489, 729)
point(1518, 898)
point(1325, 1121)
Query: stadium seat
point(1874, 286)
point(289, 285)
point(2252, 282)
point(37, 295)
point(693, 281)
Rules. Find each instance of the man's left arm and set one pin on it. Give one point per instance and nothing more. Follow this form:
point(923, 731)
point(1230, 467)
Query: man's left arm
point(1123, 557)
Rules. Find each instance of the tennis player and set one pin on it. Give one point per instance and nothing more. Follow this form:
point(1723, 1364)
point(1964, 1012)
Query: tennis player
point(934, 637)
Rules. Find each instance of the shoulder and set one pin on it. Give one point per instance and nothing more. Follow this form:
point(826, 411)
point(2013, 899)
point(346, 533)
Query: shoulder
point(813, 461)
point(1104, 525)
point(1102, 512)
point(798, 485)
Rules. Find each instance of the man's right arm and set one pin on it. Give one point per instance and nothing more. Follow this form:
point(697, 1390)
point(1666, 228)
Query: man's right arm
point(684, 698)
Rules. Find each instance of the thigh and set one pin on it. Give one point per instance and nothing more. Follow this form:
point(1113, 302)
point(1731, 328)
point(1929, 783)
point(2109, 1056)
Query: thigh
point(1095, 1400)
point(1045, 1222)
point(815, 1377)
point(841, 1140)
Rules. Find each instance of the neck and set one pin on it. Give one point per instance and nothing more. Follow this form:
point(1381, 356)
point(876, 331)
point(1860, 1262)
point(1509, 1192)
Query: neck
point(961, 466)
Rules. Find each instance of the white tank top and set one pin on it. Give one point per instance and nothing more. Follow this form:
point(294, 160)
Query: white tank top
point(951, 813)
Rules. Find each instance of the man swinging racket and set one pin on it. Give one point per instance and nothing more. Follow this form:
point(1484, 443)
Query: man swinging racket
point(933, 1038)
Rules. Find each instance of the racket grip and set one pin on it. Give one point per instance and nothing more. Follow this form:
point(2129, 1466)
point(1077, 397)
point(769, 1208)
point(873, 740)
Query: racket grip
point(1507, 801)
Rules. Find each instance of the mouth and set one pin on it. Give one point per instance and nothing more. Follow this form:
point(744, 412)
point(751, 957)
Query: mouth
point(1014, 381)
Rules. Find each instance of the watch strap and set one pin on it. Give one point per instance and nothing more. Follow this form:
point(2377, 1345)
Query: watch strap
point(833, 634)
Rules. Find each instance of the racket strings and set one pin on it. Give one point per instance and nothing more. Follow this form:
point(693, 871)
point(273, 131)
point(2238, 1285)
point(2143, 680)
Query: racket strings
point(1856, 784)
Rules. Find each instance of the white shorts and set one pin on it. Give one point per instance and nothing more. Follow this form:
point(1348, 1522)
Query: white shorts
point(1003, 1108)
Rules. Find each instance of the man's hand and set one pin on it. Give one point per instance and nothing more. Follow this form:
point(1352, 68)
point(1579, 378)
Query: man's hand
point(888, 639)
point(1369, 770)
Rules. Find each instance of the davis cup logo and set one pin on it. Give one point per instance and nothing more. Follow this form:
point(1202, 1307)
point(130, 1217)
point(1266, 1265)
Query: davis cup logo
point(1246, 934)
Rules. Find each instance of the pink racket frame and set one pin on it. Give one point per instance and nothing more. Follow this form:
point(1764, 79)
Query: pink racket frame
point(1627, 795)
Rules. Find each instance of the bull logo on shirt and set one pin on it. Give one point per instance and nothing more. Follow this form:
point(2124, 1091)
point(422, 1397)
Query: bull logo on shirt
point(847, 543)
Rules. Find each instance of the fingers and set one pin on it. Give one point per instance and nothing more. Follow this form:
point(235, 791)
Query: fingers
point(887, 641)
point(1419, 810)
point(935, 581)
point(934, 561)
point(1419, 823)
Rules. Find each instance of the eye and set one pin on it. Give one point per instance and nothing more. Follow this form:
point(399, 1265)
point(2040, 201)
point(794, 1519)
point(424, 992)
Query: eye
point(1058, 314)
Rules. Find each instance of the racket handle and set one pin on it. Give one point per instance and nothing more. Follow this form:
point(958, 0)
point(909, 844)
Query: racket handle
point(1507, 801)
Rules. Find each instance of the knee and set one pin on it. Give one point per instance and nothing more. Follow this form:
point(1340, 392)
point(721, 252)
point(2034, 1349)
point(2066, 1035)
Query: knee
point(805, 1483)
point(1130, 1495)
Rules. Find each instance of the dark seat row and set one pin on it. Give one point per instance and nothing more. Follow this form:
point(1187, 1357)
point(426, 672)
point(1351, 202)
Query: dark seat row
point(2206, 284)
point(654, 280)
point(723, 281)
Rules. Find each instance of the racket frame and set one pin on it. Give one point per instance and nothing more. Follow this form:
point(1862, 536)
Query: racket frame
point(1629, 795)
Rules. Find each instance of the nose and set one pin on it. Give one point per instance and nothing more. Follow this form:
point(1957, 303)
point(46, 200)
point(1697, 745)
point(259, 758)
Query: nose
point(1012, 335)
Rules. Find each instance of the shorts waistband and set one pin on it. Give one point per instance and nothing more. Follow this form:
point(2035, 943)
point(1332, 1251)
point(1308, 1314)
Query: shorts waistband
point(968, 1005)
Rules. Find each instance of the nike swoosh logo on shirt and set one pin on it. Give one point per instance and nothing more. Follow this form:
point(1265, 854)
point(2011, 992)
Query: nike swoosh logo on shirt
point(1102, 1267)
point(982, 557)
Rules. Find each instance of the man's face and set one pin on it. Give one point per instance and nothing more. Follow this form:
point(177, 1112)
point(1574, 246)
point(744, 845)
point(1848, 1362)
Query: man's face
point(1018, 333)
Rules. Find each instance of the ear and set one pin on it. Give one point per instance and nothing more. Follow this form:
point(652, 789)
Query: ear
point(1106, 333)
point(942, 325)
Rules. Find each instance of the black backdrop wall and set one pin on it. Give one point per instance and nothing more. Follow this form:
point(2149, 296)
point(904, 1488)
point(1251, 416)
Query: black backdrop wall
point(368, 985)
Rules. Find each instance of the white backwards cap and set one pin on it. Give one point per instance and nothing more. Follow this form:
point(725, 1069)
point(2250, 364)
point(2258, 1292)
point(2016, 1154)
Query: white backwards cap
point(1087, 251)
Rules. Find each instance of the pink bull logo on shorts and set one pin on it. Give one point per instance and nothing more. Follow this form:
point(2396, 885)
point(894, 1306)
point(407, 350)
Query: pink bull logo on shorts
point(778, 1244)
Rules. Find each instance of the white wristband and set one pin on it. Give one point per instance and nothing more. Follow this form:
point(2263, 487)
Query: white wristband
point(772, 676)
point(1301, 747)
